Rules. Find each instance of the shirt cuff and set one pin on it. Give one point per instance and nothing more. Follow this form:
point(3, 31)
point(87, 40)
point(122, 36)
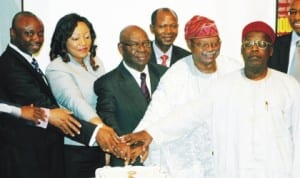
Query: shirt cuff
point(93, 141)
point(10, 109)
point(44, 124)
point(16, 111)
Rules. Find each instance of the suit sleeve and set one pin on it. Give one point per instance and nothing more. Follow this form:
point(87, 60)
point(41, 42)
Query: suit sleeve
point(106, 103)
point(86, 131)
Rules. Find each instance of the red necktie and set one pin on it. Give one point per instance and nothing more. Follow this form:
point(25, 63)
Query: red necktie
point(144, 87)
point(164, 59)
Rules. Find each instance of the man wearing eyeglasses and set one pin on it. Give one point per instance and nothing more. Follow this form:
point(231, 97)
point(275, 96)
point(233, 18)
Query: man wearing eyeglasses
point(285, 53)
point(125, 92)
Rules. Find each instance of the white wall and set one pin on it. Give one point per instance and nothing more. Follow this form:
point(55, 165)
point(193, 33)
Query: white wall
point(111, 16)
point(8, 10)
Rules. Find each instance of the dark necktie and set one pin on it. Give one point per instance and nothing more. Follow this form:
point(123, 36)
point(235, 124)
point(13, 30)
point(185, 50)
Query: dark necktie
point(144, 87)
point(36, 67)
point(164, 59)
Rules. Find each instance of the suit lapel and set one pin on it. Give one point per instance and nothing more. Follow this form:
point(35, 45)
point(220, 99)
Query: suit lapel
point(153, 56)
point(286, 47)
point(154, 77)
point(33, 73)
point(128, 84)
point(173, 56)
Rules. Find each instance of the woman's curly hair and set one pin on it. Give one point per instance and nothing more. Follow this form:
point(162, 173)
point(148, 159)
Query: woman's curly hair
point(64, 30)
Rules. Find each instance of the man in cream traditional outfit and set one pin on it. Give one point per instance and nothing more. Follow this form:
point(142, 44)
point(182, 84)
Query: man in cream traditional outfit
point(254, 112)
point(183, 82)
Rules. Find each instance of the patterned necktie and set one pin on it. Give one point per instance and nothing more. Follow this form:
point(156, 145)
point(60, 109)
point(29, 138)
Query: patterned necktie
point(295, 66)
point(36, 67)
point(164, 59)
point(144, 87)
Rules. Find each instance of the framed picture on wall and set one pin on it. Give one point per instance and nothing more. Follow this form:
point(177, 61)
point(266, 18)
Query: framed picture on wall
point(282, 22)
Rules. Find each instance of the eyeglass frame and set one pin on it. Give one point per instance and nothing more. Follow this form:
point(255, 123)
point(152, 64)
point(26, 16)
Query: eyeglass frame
point(205, 45)
point(257, 43)
point(293, 12)
point(136, 45)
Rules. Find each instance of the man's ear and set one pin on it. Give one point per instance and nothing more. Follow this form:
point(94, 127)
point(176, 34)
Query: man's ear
point(151, 28)
point(12, 33)
point(189, 44)
point(271, 51)
point(120, 48)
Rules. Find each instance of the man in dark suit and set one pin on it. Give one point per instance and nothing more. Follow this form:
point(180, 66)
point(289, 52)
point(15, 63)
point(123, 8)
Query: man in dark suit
point(164, 27)
point(29, 150)
point(285, 46)
point(121, 101)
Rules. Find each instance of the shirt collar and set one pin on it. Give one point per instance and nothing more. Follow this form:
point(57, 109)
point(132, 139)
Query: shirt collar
point(295, 37)
point(25, 55)
point(134, 72)
point(159, 53)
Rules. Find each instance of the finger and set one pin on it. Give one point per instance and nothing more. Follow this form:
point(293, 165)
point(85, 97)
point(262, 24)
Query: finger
point(69, 131)
point(36, 121)
point(125, 138)
point(134, 154)
point(113, 136)
point(114, 150)
point(144, 156)
point(133, 159)
point(127, 153)
point(73, 126)
point(63, 130)
point(39, 114)
point(126, 162)
point(75, 122)
point(112, 143)
point(111, 149)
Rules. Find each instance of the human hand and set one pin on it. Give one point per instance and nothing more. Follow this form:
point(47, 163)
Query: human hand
point(138, 150)
point(124, 152)
point(62, 119)
point(139, 143)
point(33, 113)
point(108, 140)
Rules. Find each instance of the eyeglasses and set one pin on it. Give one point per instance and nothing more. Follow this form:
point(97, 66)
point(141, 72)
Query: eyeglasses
point(293, 12)
point(259, 44)
point(206, 45)
point(136, 45)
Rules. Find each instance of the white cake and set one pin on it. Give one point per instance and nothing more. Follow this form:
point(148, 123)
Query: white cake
point(130, 172)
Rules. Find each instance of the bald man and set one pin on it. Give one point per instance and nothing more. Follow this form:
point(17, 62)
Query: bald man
point(121, 99)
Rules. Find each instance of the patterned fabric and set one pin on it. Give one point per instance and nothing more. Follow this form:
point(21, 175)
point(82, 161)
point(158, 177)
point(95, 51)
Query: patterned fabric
point(35, 65)
point(194, 158)
point(144, 86)
point(164, 59)
point(200, 27)
point(259, 26)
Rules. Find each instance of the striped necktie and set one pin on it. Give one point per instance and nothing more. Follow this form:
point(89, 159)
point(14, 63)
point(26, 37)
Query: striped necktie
point(144, 87)
point(164, 59)
point(36, 67)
